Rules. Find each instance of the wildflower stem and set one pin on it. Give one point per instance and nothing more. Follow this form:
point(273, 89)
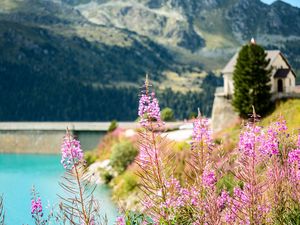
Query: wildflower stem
point(86, 219)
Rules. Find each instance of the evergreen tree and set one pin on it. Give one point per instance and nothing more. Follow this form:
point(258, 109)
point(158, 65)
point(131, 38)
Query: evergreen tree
point(252, 81)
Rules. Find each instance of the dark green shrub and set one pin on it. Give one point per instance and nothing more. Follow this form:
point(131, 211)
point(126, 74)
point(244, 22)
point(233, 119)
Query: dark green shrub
point(90, 157)
point(192, 115)
point(122, 155)
point(106, 176)
point(167, 114)
point(124, 184)
point(130, 182)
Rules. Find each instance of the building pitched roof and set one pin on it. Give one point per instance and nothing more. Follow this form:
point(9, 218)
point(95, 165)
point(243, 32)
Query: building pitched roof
point(229, 68)
point(282, 73)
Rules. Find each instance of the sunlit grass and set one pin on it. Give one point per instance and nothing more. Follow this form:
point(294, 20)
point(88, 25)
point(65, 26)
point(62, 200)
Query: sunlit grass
point(289, 109)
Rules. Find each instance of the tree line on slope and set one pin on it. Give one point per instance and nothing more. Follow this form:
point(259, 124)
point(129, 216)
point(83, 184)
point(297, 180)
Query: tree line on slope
point(28, 97)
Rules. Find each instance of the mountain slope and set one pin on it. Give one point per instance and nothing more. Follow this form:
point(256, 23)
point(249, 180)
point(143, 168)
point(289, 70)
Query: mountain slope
point(62, 59)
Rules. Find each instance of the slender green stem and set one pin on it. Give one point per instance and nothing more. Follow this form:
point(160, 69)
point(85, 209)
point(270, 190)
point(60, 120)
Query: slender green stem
point(86, 219)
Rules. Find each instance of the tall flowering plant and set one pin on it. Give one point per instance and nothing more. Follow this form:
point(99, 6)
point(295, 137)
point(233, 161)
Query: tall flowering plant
point(283, 176)
point(255, 147)
point(207, 204)
point(154, 162)
point(37, 212)
point(294, 172)
point(78, 205)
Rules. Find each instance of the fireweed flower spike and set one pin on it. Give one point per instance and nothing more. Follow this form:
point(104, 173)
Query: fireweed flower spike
point(208, 178)
point(71, 152)
point(36, 206)
point(37, 209)
point(201, 132)
point(120, 221)
point(294, 171)
point(154, 161)
point(255, 147)
point(149, 110)
point(294, 156)
point(79, 205)
point(206, 203)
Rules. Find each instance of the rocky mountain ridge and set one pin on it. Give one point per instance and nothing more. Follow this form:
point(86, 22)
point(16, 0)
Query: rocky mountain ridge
point(90, 48)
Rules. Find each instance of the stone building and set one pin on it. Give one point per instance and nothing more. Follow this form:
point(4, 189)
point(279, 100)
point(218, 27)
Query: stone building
point(283, 78)
point(283, 85)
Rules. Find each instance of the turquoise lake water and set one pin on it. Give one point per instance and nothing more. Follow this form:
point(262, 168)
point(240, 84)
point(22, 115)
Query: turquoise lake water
point(18, 173)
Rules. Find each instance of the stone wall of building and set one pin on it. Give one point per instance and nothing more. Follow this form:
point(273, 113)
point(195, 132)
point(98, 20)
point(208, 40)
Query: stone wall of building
point(223, 114)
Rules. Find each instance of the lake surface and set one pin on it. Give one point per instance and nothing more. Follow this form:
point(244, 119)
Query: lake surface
point(18, 173)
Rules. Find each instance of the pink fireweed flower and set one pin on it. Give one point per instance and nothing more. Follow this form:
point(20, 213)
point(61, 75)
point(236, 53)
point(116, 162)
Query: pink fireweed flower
point(71, 151)
point(295, 176)
point(294, 161)
point(184, 197)
point(201, 131)
point(241, 196)
point(120, 220)
point(248, 140)
point(294, 156)
point(223, 199)
point(281, 125)
point(269, 142)
point(195, 201)
point(209, 179)
point(36, 207)
point(149, 109)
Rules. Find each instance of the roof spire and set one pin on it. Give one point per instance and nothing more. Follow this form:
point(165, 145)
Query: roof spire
point(253, 42)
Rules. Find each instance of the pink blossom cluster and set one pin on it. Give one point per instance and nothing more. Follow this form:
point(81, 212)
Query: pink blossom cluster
point(201, 132)
point(255, 142)
point(120, 220)
point(209, 179)
point(248, 140)
point(294, 161)
point(36, 207)
point(149, 109)
point(294, 156)
point(223, 199)
point(269, 142)
point(71, 151)
point(280, 125)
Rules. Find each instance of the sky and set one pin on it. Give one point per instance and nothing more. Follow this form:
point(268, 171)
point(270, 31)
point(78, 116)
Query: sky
point(292, 2)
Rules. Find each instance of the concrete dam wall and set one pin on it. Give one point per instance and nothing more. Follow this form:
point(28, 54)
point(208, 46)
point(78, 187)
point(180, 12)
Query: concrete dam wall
point(46, 138)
